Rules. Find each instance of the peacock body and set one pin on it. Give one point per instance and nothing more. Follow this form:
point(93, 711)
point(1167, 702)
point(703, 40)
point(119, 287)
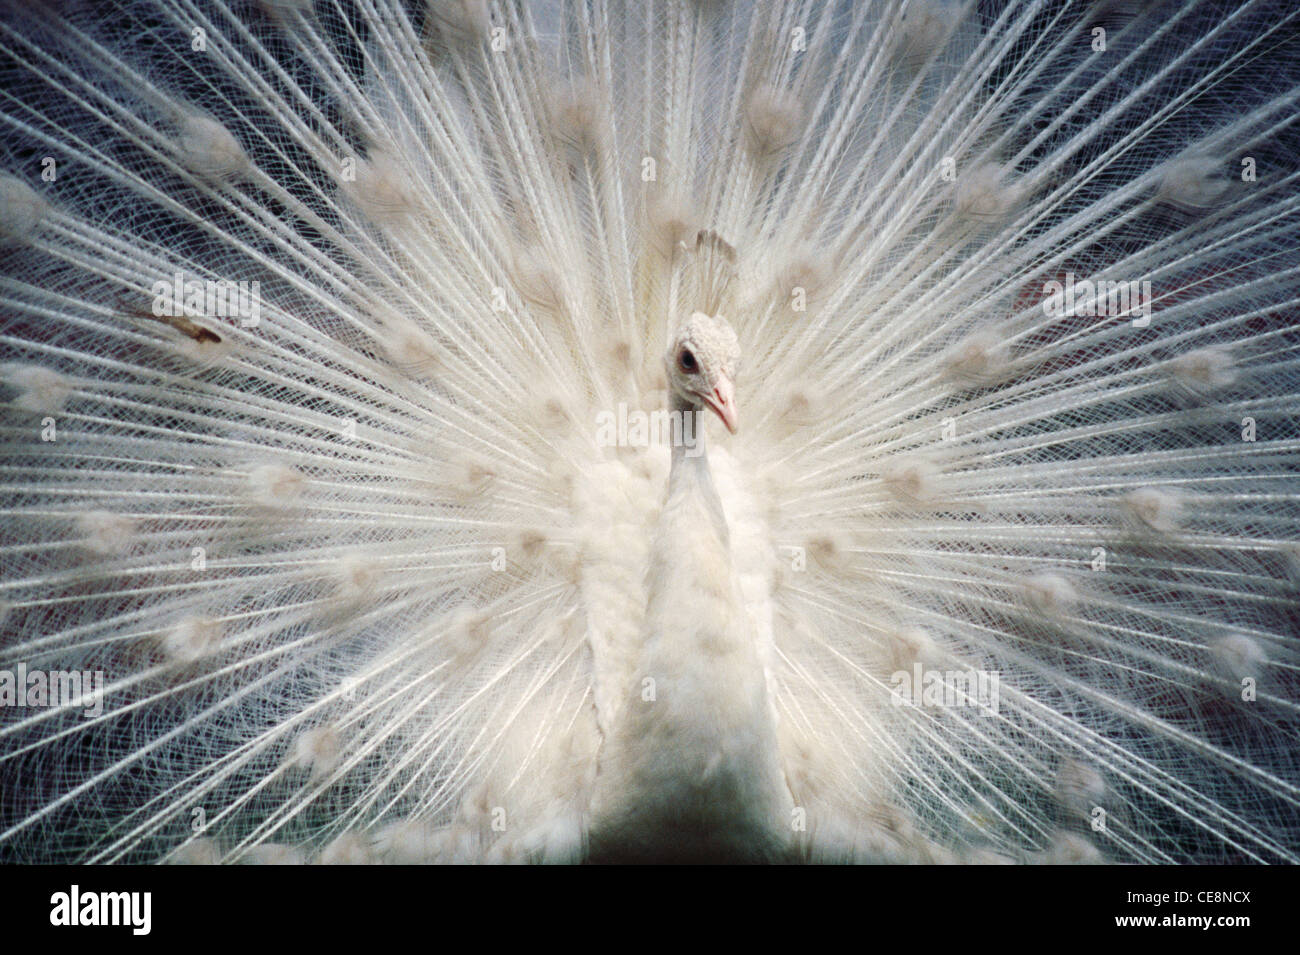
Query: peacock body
point(350, 452)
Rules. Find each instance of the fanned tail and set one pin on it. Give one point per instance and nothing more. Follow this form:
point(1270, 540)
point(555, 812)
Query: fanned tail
point(328, 330)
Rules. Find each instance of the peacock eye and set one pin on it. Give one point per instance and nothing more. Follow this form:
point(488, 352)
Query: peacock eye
point(687, 361)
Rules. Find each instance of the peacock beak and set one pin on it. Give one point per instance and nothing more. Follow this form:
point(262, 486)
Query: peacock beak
point(723, 402)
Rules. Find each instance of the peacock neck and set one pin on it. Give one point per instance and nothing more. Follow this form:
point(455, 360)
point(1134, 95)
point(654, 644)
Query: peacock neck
point(690, 772)
point(690, 473)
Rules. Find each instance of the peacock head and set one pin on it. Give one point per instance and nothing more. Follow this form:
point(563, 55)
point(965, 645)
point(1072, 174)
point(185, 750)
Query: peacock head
point(702, 365)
